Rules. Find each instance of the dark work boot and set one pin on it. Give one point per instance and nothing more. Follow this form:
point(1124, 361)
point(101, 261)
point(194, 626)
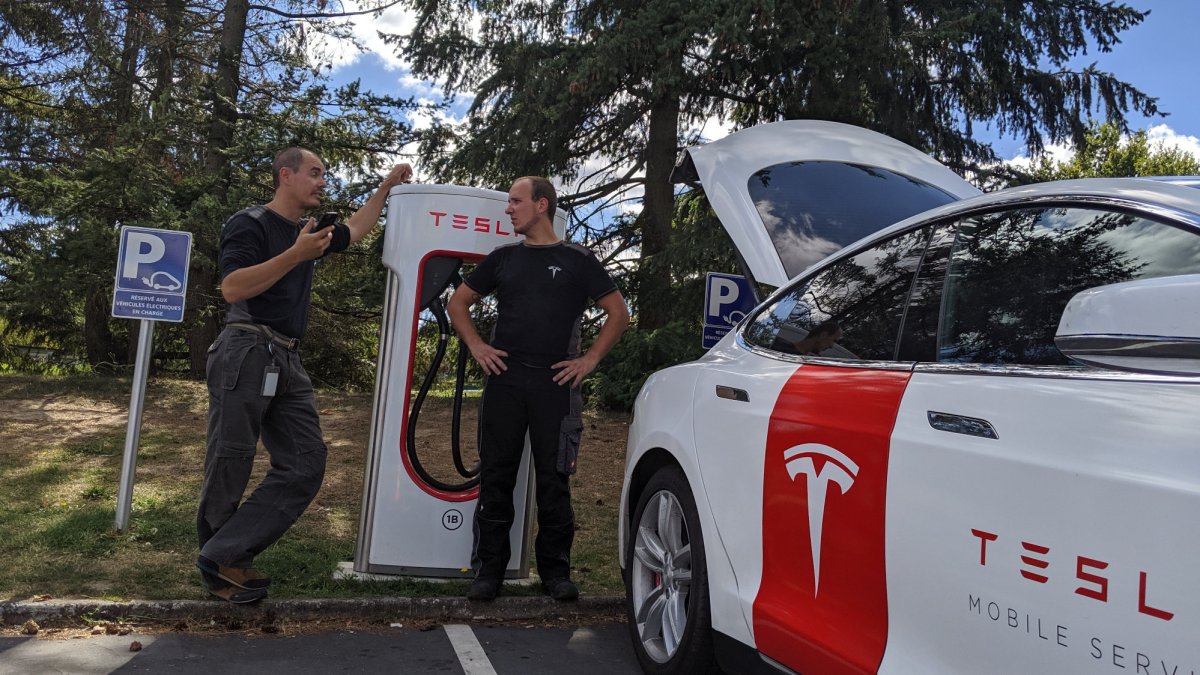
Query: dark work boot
point(483, 589)
point(562, 589)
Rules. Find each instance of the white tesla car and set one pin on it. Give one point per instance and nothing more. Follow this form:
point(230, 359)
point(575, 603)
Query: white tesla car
point(963, 436)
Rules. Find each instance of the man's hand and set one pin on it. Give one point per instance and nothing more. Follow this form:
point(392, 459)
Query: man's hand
point(574, 370)
point(489, 358)
point(616, 318)
point(401, 173)
point(311, 245)
point(365, 218)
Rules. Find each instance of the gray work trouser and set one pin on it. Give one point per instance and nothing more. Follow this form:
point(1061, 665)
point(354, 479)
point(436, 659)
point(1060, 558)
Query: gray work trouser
point(238, 415)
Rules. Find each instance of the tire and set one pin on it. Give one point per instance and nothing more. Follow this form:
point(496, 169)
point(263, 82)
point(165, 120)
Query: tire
point(666, 580)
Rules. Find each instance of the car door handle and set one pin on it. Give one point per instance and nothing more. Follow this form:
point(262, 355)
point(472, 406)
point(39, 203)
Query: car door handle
point(960, 424)
point(732, 393)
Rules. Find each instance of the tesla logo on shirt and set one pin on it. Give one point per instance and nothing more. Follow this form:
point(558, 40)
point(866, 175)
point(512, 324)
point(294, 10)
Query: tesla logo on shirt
point(821, 465)
point(554, 271)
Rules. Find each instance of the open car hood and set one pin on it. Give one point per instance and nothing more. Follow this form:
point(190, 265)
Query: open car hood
point(790, 193)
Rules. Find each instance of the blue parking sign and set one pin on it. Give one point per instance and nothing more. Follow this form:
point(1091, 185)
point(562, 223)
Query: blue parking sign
point(727, 300)
point(152, 269)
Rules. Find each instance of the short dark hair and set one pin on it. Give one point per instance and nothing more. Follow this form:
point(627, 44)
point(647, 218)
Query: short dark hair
point(290, 158)
point(542, 188)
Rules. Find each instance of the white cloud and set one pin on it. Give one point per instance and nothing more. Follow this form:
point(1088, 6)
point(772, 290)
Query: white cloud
point(424, 117)
point(713, 129)
point(365, 29)
point(396, 20)
point(412, 83)
point(1058, 152)
point(1168, 138)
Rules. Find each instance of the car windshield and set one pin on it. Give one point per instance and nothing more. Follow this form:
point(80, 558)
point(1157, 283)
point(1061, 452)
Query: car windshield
point(811, 209)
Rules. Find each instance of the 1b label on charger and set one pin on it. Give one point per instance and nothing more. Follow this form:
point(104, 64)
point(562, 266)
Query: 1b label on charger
point(452, 519)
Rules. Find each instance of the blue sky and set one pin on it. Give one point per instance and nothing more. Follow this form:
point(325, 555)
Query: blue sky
point(1156, 56)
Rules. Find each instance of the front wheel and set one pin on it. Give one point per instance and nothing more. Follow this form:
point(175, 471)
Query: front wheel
point(666, 584)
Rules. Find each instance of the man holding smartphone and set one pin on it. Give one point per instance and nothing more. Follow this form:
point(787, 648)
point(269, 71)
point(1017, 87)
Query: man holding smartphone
point(257, 386)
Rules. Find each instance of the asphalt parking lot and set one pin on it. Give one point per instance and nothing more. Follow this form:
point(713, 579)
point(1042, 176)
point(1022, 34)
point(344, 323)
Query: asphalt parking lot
point(601, 649)
point(379, 634)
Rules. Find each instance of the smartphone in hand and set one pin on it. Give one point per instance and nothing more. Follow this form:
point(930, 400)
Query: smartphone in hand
point(327, 219)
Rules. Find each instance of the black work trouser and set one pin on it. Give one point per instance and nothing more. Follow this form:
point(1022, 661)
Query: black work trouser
point(232, 532)
point(522, 399)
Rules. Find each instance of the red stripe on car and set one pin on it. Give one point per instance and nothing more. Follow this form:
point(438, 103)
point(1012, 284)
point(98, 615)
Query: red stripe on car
point(822, 603)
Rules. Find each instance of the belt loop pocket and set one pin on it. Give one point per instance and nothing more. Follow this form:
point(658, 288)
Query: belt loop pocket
point(234, 352)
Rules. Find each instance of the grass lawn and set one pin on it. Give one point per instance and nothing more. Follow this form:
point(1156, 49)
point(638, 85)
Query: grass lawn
point(61, 445)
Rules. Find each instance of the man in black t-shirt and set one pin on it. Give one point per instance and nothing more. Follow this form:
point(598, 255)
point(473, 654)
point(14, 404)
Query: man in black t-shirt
point(257, 386)
point(534, 368)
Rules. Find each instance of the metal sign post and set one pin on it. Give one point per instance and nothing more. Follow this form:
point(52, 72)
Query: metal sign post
point(151, 285)
point(133, 429)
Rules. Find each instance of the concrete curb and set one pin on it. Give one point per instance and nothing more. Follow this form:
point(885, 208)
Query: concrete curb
point(72, 612)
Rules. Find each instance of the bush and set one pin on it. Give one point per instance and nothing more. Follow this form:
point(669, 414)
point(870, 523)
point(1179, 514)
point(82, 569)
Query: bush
point(620, 375)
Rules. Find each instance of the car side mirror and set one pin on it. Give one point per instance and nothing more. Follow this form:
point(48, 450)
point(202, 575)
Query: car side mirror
point(1149, 325)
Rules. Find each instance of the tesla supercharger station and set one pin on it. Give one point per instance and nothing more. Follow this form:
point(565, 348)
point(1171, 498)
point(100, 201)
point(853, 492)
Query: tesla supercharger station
point(409, 525)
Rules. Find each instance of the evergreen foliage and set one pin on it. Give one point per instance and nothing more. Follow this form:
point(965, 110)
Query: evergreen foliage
point(698, 244)
point(604, 93)
point(166, 114)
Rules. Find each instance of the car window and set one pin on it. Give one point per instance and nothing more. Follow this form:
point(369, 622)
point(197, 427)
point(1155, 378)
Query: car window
point(850, 309)
point(813, 209)
point(1012, 273)
point(919, 337)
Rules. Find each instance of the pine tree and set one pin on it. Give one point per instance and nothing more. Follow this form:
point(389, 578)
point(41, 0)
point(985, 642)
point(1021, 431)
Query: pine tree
point(158, 113)
point(606, 90)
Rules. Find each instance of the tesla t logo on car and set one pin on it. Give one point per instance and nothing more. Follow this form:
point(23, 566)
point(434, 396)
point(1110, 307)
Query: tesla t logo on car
point(821, 465)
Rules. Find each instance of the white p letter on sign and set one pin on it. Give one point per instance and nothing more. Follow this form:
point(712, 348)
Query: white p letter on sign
point(144, 248)
point(724, 291)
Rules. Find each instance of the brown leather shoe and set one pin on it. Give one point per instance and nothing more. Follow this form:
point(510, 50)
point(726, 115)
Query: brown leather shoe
point(247, 578)
point(238, 596)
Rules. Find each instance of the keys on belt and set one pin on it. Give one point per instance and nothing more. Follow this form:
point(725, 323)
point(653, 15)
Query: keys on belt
point(290, 344)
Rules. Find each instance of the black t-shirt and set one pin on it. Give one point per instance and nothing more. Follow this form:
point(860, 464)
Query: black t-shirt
point(541, 292)
point(247, 240)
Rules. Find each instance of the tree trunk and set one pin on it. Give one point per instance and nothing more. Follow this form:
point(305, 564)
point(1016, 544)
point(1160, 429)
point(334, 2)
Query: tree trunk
point(203, 308)
point(227, 81)
point(99, 345)
point(164, 68)
point(658, 208)
point(127, 74)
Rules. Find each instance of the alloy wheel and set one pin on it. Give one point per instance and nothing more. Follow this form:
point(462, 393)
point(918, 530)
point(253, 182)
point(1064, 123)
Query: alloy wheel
point(661, 576)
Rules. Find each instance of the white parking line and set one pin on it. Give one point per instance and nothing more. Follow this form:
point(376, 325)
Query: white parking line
point(470, 653)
